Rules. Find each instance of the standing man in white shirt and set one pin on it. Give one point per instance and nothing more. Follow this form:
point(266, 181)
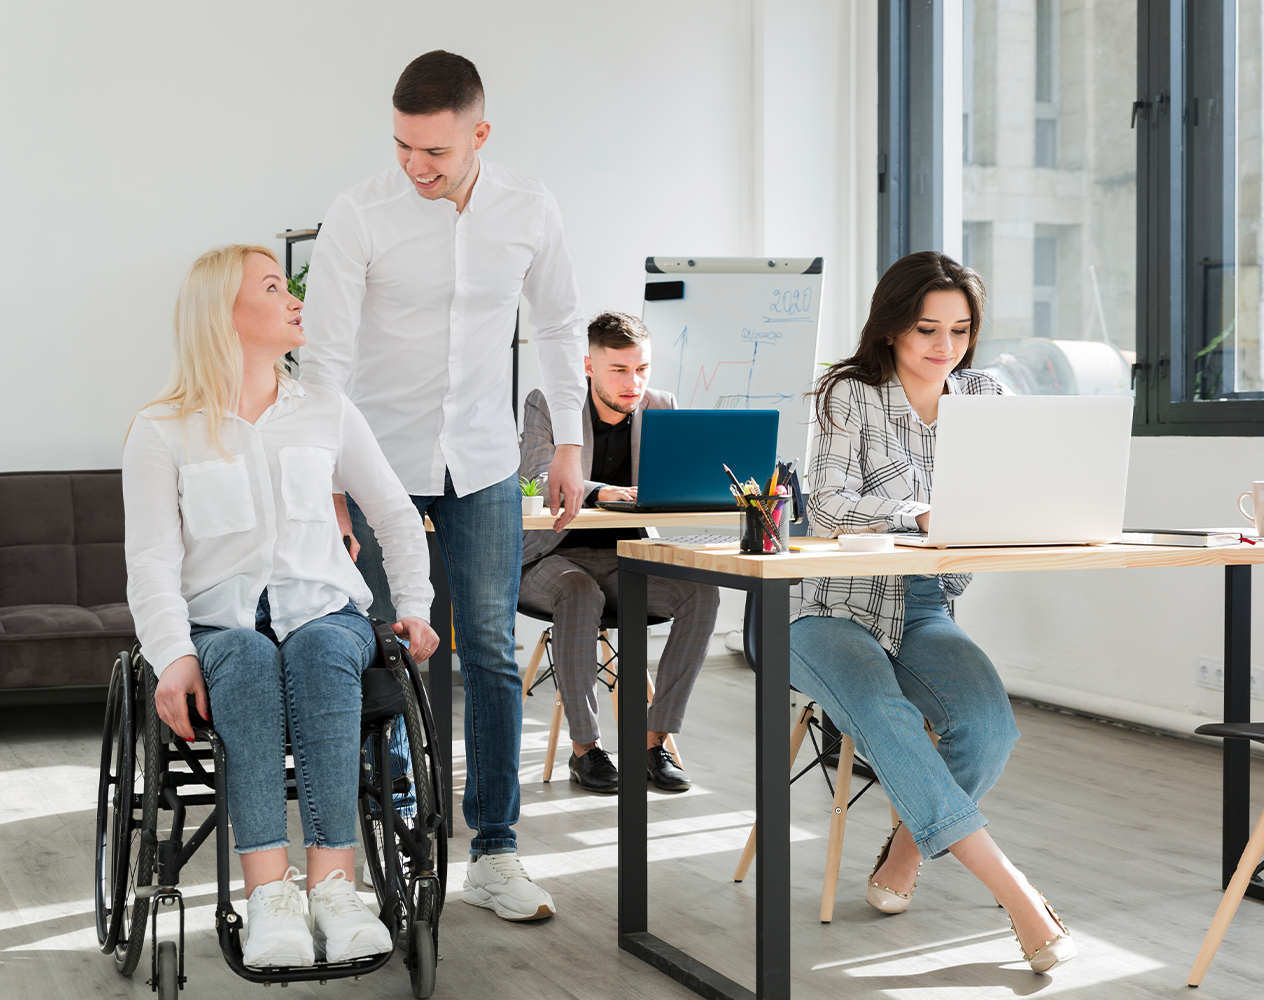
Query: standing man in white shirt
point(412, 299)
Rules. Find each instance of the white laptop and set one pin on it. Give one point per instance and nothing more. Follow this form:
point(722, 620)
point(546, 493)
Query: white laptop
point(1028, 470)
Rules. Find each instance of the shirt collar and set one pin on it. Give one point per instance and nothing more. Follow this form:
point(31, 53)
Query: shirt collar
point(897, 403)
point(471, 206)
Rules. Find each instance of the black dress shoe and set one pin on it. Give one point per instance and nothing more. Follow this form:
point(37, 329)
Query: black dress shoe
point(595, 771)
point(661, 768)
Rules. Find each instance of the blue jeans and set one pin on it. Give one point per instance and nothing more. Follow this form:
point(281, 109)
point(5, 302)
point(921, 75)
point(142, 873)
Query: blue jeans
point(880, 701)
point(480, 538)
point(310, 682)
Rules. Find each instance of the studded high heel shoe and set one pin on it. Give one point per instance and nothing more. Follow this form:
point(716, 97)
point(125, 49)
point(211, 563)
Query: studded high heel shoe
point(879, 896)
point(1057, 949)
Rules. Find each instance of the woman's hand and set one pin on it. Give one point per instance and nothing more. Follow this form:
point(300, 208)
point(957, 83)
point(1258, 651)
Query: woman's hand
point(624, 493)
point(923, 522)
point(422, 640)
point(181, 679)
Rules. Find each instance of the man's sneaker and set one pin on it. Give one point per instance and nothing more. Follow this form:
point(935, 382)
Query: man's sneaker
point(662, 769)
point(500, 883)
point(276, 933)
point(344, 928)
point(595, 771)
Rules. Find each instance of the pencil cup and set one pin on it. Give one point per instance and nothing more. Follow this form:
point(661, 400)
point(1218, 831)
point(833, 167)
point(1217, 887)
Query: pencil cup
point(756, 538)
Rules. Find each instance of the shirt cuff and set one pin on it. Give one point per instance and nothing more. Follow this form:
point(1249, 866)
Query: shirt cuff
point(568, 427)
point(169, 655)
point(906, 520)
point(414, 610)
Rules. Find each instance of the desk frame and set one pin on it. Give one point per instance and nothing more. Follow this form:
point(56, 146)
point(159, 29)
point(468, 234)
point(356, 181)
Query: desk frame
point(772, 771)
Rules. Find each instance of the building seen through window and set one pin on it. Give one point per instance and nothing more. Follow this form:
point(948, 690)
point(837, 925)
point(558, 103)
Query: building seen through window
point(1049, 190)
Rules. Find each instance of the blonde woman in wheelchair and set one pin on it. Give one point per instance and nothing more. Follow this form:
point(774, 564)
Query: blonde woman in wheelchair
point(245, 598)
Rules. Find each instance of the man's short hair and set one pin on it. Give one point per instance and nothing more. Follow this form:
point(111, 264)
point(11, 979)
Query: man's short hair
point(616, 330)
point(436, 82)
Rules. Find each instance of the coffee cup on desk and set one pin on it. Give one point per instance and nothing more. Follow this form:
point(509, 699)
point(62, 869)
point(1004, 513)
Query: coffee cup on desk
point(1256, 514)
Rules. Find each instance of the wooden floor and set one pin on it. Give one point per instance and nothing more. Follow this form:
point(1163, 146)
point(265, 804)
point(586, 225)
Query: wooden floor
point(1119, 829)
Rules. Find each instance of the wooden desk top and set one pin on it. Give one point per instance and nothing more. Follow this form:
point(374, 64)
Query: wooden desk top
point(591, 517)
point(821, 557)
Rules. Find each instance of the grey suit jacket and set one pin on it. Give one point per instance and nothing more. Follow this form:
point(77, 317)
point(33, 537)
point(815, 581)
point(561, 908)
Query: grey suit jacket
point(536, 449)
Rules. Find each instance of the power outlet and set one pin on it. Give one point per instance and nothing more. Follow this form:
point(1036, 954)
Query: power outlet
point(1210, 674)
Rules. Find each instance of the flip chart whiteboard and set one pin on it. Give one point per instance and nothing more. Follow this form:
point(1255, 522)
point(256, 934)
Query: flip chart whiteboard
point(737, 332)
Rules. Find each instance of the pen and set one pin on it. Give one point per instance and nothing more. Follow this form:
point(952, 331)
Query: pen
point(739, 492)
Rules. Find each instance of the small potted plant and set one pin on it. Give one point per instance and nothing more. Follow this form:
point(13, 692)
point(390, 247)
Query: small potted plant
point(532, 498)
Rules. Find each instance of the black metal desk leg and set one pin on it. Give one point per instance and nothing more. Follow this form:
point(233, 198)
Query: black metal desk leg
point(772, 791)
point(1237, 708)
point(633, 802)
point(440, 668)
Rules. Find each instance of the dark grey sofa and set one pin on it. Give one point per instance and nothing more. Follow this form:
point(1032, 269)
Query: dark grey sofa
point(63, 579)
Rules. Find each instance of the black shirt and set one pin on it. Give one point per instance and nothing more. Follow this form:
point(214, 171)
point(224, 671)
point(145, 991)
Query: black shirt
point(612, 465)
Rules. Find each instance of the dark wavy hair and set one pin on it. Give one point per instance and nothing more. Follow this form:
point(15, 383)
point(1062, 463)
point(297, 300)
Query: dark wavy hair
point(895, 308)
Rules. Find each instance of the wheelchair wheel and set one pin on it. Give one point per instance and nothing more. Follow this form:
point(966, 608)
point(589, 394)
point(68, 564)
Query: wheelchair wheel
point(134, 868)
point(114, 803)
point(421, 958)
point(422, 876)
point(168, 971)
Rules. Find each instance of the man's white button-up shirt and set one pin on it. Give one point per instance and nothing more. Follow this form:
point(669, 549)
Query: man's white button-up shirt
point(205, 534)
point(410, 310)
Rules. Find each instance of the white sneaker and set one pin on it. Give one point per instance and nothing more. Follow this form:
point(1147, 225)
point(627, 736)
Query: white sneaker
point(276, 933)
point(344, 928)
point(500, 883)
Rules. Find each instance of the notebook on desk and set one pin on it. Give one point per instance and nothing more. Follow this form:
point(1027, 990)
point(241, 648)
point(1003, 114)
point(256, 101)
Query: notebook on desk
point(683, 454)
point(1028, 470)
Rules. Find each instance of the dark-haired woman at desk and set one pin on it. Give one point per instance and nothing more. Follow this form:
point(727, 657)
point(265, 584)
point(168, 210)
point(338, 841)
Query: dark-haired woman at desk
point(881, 654)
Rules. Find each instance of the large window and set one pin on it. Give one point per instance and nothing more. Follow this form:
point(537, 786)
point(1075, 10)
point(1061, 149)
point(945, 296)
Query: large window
point(1049, 190)
point(1199, 149)
point(1111, 191)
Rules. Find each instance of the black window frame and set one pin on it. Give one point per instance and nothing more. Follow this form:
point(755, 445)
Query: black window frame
point(910, 113)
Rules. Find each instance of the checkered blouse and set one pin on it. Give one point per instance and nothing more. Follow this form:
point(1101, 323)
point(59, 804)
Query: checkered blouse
point(871, 471)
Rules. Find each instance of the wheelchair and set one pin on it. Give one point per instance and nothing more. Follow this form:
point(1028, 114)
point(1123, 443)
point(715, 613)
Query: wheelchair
point(147, 771)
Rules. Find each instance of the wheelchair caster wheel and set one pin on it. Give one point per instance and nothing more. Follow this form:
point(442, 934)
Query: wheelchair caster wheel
point(421, 958)
point(168, 971)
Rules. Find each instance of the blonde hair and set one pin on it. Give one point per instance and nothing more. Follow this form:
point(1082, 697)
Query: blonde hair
point(207, 371)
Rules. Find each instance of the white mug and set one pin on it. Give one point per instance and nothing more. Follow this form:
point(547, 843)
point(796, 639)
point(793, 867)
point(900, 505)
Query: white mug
point(1257, 506)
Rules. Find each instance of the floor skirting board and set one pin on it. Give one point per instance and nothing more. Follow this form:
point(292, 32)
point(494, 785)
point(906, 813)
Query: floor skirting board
point(1119, 710)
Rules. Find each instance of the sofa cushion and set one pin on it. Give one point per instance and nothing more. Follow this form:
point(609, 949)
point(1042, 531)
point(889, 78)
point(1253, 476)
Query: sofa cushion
point(115, 617)
point(36, 509)
point(29, 620)
point(98, 507)
point(100, 574)
point(38, 574)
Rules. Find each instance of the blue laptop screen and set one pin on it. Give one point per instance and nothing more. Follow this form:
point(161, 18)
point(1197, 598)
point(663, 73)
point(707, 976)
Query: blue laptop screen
point(683, 454)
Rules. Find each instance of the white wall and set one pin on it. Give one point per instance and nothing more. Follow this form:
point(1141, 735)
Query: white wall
point(139, 134)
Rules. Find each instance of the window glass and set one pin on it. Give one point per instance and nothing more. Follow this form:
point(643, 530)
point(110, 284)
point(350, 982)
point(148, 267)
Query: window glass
point(1049, 190)
point(1220, 357)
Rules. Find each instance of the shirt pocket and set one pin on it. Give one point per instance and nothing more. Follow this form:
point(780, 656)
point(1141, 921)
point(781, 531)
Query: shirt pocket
point(307, 483)
point(887, 477)
point(216, 498)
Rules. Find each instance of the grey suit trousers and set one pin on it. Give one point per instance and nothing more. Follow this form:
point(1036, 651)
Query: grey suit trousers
point(573, 586)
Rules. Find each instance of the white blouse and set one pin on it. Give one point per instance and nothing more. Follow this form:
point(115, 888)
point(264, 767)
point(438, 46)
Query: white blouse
point(206, 534)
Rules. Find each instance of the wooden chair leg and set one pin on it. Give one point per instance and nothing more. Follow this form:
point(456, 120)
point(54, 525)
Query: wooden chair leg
point(554, 730)
point(529, 678)
point(797, 734)
point(1229, 904)
point(838, 821)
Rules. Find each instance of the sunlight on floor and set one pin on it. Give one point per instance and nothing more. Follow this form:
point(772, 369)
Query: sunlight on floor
point(35, 792)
